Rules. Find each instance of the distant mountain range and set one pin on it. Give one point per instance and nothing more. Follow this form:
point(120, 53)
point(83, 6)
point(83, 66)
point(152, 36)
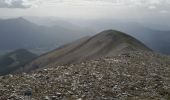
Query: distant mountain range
point(15, 60)
point(148, 33)
point(20, 33)
point(39, 37)
point(106, 43)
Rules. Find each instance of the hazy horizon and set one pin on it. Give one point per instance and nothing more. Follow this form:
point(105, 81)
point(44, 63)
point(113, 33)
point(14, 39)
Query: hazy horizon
point(145, 20)
point(154, 12)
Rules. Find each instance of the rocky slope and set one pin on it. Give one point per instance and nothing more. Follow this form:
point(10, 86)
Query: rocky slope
point(128, 76)
point(106, 43)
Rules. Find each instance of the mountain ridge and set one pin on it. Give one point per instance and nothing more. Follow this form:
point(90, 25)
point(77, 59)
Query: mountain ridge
point(157, 40)
point(106, 43)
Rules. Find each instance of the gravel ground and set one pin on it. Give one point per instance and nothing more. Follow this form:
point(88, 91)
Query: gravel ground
point(129, 76)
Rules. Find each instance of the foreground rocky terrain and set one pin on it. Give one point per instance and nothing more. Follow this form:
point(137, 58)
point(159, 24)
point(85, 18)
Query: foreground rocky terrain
point(128, 76)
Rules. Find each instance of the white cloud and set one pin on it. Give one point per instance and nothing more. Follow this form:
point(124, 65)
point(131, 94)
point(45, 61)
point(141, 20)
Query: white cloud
point(150, 4)
point(152, 7)
point(17, 3)
point(164, 11)
point(159, 5)
point(116, 2)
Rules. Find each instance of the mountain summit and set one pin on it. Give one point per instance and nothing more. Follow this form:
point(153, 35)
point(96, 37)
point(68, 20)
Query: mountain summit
point(106, 43)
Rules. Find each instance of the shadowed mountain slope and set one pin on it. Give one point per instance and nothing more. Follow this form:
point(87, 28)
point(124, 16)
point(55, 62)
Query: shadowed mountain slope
point(14, 60)
point(106, 43)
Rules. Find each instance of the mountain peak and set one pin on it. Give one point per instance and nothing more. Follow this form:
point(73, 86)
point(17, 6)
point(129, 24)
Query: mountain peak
point(113, 33)
point(117, 38)
point(19, 20)
point(109, 31)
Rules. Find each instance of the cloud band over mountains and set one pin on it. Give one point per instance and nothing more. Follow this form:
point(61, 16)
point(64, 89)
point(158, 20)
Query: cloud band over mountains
point(119, 2)
point(29, 3)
